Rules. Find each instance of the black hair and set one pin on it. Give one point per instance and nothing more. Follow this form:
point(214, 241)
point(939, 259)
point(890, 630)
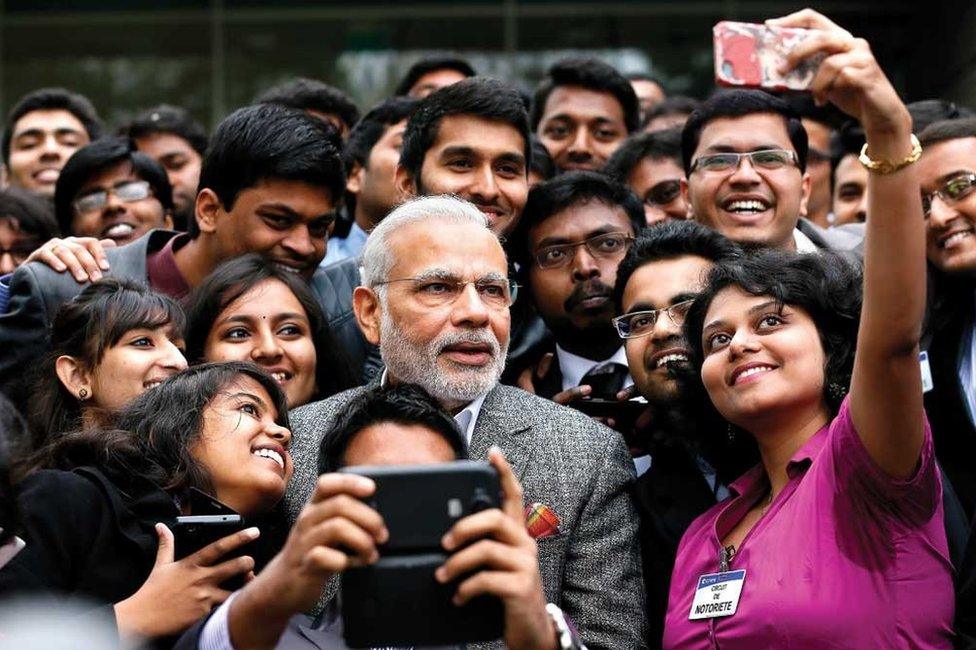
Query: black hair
point(85, 327)
point(153, 437)
point(542, 163)
point(270, 142)
point(826, 286)
point(312, 95)
point(31, 212)
point(952, 129)
point(567, 190)
point(591, 74)
point(368, 132)
point(740, 103)
point(424, 66)
point(47, 99)
point(673, 105)
point(488, 99)
point(96, 157)
point(167, 119)
point(845, 141)
point(804, 106)
point(667, 241)
point(659, 145)
point(233, 279)
point(927, 111)
point(405, 404)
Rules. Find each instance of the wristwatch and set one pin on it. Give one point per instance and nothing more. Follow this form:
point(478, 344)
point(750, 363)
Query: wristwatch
point(887, 166)
point(567, 637)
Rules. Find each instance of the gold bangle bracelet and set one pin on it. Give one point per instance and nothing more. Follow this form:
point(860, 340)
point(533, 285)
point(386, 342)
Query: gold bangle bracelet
point(887, 166)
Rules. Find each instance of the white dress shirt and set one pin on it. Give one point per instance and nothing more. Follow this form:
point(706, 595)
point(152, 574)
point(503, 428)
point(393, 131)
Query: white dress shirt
point(803, 243)
point(574, 367)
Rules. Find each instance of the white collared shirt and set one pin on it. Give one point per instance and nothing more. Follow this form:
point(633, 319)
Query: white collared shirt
point(466, 417)
point(803, 243)
point(574, 367)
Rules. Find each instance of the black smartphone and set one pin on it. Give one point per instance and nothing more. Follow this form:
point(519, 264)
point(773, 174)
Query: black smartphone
point(396, 601)
point(419, 503)
point(624, 413)
point(211, 520)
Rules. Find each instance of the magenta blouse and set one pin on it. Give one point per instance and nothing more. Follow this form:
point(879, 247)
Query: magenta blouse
point(845, 557)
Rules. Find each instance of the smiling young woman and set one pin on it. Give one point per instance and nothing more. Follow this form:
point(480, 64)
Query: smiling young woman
point(251, 309)
point(99, 505)
point(838, 537)
point(113, 342)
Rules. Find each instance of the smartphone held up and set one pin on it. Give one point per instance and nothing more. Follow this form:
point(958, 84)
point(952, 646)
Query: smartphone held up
point(749, 55)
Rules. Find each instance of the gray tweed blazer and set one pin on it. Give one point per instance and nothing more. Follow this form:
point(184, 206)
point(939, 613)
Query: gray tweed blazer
point(565, 460)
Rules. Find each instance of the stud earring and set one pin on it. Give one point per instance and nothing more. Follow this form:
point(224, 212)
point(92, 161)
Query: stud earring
point(83, 394)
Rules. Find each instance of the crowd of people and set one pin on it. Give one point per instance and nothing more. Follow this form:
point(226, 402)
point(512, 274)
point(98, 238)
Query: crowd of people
point(721, 354)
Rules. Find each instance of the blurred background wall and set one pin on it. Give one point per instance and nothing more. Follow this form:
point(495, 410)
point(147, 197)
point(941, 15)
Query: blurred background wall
point(213, 55)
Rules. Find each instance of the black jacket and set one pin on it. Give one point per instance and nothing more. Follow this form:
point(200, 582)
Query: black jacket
point(86, 536)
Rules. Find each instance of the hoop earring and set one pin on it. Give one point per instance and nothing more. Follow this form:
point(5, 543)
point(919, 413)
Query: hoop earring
point(83, 394)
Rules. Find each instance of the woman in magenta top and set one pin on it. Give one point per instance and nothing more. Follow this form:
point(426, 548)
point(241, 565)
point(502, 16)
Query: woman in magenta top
point(837, 538)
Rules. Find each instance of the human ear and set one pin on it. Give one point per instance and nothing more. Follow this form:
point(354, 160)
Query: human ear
point(207, 210)
point(806, 184)
point(73, 376)
point(404, 183)
point(366, 306)
point(355, 181)
point(683, 183)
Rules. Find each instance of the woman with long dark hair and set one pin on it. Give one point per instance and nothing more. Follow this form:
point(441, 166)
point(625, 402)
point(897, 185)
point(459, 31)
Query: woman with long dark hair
point(837, 538)
point(250, 309)
point(111, 343)
point(99, 505)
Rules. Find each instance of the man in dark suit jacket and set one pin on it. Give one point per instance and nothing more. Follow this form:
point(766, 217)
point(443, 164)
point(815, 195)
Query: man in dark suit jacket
point(576, 229)
point(271, 181)
point(435, 299)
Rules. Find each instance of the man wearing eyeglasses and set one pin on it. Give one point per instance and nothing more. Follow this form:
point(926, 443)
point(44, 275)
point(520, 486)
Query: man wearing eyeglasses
point(947, 171)
point(745, 156)
point(650, 164)
point(575, 230)
point(435, 297)
point(109, 190)
point(656, 283)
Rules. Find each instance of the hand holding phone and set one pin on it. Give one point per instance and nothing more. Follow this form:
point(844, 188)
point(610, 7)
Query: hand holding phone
point(751, 55)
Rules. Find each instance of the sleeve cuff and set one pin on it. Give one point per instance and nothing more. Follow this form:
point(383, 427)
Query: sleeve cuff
point(216, 631)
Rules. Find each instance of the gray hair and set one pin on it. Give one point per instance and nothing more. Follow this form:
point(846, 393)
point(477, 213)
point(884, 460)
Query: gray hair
point(377, 259)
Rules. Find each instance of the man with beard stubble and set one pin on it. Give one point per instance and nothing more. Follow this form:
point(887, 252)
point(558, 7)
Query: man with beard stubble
point(435, 298)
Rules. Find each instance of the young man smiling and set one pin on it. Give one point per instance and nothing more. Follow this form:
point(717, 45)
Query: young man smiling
point(270, 184)
point(745, 157)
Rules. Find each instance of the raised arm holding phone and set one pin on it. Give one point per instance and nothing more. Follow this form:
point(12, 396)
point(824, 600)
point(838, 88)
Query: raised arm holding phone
point(837, 538)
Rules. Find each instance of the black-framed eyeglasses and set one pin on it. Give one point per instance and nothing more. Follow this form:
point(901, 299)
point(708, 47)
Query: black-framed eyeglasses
point(768, 159)
point(953, 190)
point(641, 323)
point(126, 191)
point(439, 292)
point(607, 246)
point(663, 193)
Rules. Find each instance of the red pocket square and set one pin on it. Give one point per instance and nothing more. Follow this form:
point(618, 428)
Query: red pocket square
point(541, 521)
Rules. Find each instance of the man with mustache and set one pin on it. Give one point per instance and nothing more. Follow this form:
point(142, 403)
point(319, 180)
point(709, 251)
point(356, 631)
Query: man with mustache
point(576, 229)
point(435, 298)
point(656, 283)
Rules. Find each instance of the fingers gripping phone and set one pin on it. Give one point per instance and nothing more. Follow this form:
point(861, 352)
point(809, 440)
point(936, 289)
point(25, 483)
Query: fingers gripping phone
point(748, 55)
point(210, 520)
point(397, 601)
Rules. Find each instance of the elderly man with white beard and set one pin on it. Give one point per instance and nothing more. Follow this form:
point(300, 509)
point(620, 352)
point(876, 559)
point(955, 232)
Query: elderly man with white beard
point(435, 297)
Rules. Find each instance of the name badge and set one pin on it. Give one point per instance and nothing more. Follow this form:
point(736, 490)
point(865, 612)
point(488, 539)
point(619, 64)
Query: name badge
point(927, 383)
point(717, 595)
